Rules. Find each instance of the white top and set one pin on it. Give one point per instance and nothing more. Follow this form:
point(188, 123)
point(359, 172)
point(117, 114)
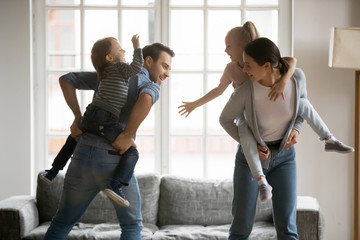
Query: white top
point(271, 126)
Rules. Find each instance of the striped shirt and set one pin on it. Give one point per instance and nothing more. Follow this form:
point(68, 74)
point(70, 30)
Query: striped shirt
point(113, 89)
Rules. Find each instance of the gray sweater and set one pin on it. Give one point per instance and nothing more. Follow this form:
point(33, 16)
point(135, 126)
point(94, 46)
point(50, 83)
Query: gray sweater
point(241, 101)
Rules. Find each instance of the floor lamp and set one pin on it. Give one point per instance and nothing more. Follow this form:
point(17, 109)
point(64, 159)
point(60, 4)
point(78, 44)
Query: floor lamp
point(344, 52)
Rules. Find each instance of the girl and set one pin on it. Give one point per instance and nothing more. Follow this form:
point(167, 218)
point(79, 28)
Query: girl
point(235, 41)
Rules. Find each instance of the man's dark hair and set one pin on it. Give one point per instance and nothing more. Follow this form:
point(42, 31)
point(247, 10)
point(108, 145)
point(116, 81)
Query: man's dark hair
point(154, 50)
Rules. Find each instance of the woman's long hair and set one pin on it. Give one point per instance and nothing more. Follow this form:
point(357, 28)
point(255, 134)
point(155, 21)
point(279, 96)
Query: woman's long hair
point(263, 50)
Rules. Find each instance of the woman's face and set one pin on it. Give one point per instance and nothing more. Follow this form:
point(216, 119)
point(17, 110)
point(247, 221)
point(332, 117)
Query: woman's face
point(253, 69)
point(233, 48)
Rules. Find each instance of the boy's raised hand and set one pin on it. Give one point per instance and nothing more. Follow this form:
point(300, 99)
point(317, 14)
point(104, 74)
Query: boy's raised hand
point(135, 41)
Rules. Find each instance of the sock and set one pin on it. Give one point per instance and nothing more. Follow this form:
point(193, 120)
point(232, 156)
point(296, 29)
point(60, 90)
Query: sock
point(330, 139)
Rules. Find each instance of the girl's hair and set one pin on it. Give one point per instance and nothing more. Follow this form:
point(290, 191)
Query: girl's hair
point(100, 49)
point(245, 33)
point(263, 50)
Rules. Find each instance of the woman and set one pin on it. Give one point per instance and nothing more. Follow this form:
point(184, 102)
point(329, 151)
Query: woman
point(275, 126)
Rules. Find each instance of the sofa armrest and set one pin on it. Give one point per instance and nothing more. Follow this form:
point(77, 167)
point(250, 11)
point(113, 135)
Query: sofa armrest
point(18, 216)
point(309, 219)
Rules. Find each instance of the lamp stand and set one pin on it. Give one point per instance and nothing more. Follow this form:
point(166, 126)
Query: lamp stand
point(356, 159)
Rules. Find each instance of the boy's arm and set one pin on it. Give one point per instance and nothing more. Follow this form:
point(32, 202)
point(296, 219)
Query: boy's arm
point(279, 86)
point(134, 67)
point(138, 114)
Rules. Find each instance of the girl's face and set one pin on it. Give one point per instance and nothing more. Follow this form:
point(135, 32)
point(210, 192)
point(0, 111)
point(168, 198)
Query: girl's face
point(253, 69)
point(234, 48)
point(117, 54)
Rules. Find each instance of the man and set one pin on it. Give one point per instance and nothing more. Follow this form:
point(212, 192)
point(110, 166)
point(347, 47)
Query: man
point(92, 166)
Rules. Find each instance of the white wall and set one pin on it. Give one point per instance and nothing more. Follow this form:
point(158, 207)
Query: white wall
point(327, 176)
point(15, 98)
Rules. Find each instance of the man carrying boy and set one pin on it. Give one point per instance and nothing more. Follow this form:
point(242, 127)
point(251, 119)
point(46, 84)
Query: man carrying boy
point(92, 166)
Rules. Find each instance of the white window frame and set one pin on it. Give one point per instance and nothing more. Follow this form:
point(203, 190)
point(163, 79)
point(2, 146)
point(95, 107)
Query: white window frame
point(162, 135)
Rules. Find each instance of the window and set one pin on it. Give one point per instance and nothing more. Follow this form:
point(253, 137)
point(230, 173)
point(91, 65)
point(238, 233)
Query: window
point(195, 146)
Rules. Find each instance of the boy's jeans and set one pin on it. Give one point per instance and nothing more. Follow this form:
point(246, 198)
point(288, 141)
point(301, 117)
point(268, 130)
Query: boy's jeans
point(90, 170)
point(281, 175)
point(103, 123)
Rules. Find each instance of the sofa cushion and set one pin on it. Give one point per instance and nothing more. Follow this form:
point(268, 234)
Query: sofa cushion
point(149, 185)
point(261, 230)
point(200, 202)
point(101, 209)
point(192, 232)
point(102, 231)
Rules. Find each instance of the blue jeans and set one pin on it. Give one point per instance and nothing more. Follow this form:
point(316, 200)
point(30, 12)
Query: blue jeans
point(91, 169)
point(281, 175)
point(105, 124)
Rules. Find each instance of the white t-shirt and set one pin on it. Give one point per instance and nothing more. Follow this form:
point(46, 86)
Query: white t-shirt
point(273, 118)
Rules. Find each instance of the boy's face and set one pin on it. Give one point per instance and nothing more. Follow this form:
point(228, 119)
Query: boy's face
point(117, 54)
point(159, 70)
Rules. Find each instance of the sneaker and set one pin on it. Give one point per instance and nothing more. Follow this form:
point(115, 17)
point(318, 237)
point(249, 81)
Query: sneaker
point(337, 146)
point(116, 194)
point(265, 192)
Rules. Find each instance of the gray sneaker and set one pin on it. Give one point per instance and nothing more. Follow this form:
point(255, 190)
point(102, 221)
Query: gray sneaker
point(338, 146)
point(265, 192)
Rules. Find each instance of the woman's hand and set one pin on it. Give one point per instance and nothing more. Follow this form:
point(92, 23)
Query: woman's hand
point(264, 152)
point(187, 108)
point(293, 137)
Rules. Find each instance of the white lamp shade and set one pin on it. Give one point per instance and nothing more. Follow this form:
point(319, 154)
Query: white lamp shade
point(344, 50)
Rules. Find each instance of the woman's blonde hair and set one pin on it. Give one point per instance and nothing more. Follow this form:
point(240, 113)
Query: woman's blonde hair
point(245, 33)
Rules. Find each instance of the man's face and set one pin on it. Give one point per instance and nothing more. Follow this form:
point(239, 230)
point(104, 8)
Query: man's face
point(159, 70)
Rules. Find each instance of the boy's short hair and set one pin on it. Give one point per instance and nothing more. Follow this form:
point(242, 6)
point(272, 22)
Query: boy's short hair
point(154, 50)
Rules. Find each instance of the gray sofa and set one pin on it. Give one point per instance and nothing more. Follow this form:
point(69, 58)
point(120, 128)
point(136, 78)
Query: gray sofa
point(172, 208)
